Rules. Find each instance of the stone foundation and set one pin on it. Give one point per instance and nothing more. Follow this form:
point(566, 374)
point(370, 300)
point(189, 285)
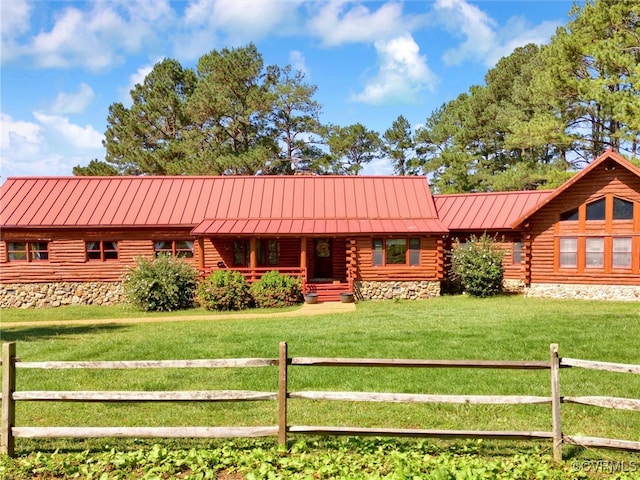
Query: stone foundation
point(584, 292)
point(400, 290)
point(41, 295)
point(512, 286)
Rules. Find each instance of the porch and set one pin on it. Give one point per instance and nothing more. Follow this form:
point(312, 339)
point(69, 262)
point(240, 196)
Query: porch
point(321, 263)
point(328, 290)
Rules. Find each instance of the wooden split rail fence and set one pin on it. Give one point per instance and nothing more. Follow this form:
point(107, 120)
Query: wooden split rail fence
point(10, 395)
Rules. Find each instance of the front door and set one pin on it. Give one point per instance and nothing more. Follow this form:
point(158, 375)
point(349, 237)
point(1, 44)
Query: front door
point(322, 259)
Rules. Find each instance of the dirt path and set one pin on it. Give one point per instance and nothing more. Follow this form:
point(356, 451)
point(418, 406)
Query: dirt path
point(324, 308)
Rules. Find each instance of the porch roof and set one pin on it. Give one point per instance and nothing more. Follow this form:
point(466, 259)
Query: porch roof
point(326, 205)
point(322, 226)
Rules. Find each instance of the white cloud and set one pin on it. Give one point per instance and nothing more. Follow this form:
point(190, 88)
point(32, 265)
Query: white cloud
point(22, 149)
point(95, 35)
point(14, 17)
point(75, 102)
point(49, 146)
point(298, 62)
point(240, 21)
point(85, 138)
point(402, 76)
point(517, 33)
point(338, 22)
point(484, 40)
point(18, 139)
point(378, 166)
point(135, 78)
point(473, 24)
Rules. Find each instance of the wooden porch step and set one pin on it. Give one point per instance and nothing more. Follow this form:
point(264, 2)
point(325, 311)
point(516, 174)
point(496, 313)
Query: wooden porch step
point(327, 292)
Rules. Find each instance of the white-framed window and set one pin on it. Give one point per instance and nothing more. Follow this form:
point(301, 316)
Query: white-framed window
point(621, 252)
point(594, 252)
point(568, 252)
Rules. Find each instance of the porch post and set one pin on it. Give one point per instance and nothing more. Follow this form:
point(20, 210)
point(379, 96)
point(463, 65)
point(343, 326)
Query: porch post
point(526, 257)
point(440, 262)
point(253, 259)
point(303, 254)
point(200, 243)
point(352, 263)
point(303, 263)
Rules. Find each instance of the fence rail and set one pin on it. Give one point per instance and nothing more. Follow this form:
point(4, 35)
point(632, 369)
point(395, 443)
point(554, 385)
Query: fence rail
point(10, 395)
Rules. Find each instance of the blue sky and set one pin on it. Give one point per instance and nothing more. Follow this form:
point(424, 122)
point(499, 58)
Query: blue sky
point(64, 61)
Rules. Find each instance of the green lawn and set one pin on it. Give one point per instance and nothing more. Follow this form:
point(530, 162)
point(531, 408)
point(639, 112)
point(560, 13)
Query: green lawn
point(450, 327)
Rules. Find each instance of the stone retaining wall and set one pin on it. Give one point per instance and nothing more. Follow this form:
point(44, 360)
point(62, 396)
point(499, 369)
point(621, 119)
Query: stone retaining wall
point(401, 290)
point(584, 292)
point(39, 295)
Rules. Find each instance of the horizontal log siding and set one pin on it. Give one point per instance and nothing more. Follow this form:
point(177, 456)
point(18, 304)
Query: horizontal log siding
point(218, 250)
point(428, 269)
point(67, 256)
point(289, 252)
point(512, 271)
point(504, 241)
point(546, 228)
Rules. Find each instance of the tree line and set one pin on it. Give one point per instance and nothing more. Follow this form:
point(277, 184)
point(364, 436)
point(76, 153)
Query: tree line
point(542, 112)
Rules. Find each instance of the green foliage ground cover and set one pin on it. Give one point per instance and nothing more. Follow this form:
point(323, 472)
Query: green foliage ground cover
point(345, 458)
point(504, 328)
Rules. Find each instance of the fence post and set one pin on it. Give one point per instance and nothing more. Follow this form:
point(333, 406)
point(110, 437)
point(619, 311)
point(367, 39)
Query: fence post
point(8, 403)
point(555, 402)
point(282, 393)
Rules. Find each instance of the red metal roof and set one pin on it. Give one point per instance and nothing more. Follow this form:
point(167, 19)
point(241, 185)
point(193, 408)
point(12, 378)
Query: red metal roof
point(224, 205)
point(486, 211)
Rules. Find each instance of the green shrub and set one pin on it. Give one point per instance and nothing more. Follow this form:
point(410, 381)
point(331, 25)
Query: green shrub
point(277, 290)
point(224, 290)
point(163, 284)
point(478, 265)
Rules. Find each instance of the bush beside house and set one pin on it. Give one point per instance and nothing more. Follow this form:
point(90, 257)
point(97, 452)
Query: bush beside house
point(477, 264)
point(276, 290)
point(163, 284)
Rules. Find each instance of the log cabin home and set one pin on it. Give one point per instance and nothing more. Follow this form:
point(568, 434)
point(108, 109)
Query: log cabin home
point(377, 236)
point(70, 240)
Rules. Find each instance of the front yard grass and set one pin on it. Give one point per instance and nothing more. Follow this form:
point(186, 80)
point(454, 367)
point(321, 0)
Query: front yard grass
point(91, 312)
point(450, 327)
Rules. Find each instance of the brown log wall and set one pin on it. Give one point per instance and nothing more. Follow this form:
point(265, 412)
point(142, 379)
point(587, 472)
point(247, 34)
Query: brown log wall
point(504, 240)
point(546, 228)
point(67, 255)
point(427, 270)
